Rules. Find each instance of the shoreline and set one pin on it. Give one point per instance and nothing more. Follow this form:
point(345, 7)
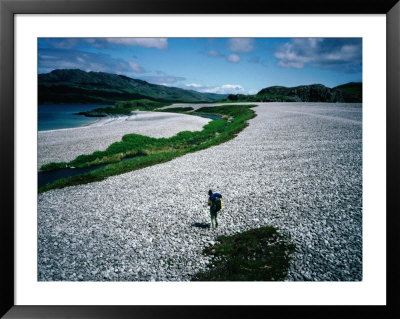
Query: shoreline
point(64, 145)
point(86, 124)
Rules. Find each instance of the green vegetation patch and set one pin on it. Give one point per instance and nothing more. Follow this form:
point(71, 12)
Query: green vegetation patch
point(124, 108)
point(146, 151)
point(111, 170)
point(353, 89)
point(267, 97)
point(141, 104)
point(177, 109)
point(261, 254)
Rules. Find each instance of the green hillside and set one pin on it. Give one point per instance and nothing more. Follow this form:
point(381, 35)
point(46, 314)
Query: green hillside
point(346, 93)
point(352, 89)
point(77, 86)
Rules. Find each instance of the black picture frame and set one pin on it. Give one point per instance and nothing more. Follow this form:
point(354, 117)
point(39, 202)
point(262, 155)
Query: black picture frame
point(9, 8)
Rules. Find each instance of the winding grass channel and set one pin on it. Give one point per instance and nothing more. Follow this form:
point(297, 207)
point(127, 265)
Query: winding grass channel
point(145, 151)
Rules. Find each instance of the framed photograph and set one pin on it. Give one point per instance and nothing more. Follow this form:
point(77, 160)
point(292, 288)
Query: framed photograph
point(173, 159)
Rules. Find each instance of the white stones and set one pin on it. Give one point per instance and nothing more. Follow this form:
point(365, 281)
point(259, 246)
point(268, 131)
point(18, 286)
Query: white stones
point(298, 172)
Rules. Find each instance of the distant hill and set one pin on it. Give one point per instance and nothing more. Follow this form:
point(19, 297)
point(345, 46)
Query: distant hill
point(316, 93)
point(350, 92)
point(77, 86)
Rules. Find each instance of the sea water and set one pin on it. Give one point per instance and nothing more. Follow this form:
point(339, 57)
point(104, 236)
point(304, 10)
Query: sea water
point(45, 177)
point(210, 116)
point(58, 116)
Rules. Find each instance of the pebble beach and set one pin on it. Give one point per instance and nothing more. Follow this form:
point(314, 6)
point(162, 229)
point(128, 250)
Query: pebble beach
point(65, 144)
point(297, 166)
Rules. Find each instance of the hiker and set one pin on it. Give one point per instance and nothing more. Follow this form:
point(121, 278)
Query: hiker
point(215, 203)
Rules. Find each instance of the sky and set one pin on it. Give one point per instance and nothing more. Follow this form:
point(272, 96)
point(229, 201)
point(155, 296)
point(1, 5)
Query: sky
point(215, 65)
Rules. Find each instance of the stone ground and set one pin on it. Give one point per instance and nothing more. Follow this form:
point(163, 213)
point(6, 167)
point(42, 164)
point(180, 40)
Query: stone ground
point(297, 166)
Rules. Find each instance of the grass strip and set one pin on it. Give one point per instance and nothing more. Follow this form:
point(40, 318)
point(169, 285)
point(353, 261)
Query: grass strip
point(149, 151)
point(261, 254)
point(177, 109)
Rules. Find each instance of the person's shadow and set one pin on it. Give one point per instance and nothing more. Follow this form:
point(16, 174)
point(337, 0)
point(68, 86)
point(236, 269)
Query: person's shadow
point(201, 225)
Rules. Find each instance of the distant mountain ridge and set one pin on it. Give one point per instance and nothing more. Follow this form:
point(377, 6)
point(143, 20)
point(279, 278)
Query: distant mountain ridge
point(77, 86)
point(348, 93)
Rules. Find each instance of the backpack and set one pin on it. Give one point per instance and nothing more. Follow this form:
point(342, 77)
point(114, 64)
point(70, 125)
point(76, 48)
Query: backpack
point(217, 203)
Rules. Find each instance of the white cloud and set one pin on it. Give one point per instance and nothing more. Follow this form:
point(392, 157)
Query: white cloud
point(296, 65)
point(227, 89)
point(222, 89)
point(65, 44)
point(241, 45)
point(234, 58)
point(72, 59)
point(158, 43)
point(255, 59)
point(47, 56)
point(163, 79)
point(215, 53)
point(193, 85)
point(342, 54)
point(289, 57)
point(135, 67)
point(101, 43)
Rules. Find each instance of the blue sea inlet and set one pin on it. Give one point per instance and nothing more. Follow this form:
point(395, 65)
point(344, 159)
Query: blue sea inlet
point(59, 116)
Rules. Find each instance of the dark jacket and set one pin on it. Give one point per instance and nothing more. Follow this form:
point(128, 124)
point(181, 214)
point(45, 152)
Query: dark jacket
point(211, 203)
point(211, 198)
